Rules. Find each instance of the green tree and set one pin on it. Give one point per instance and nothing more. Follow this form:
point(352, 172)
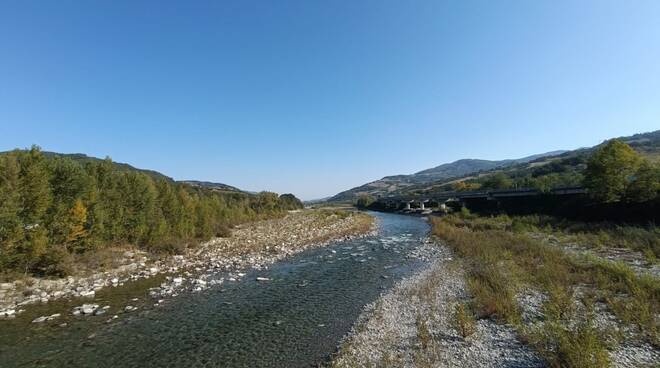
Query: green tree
point(11, 226)
point(77, 220)
point(34, 186)
point(364, 201)
point(497, 181)
point(646, 184)
point(290, 202)
point(610, 170)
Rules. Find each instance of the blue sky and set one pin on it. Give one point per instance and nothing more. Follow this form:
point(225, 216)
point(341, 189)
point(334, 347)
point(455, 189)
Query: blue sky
point(314, 97)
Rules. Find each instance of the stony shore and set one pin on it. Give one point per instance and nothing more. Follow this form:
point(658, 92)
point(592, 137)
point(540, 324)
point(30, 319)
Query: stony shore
point(253, 245)
point(414, 326)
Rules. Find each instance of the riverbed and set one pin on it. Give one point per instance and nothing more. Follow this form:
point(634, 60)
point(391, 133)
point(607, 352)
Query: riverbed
point(293, 314)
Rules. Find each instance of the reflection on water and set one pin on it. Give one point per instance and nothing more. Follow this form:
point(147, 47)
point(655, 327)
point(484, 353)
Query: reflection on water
point(294, 320)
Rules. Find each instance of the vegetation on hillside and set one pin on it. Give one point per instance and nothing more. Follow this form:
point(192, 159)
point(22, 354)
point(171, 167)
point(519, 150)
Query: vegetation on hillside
point(613, 172)
point(52, 208)
point(542, 172)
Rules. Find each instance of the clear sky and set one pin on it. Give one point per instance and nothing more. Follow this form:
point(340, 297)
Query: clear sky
point(314, 97)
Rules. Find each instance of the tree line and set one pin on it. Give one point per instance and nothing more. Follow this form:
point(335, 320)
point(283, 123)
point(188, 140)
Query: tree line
point(55, 207)
point(612, 173)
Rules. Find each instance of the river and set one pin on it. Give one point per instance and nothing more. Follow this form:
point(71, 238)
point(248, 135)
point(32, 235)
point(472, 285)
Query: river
point(295, 319)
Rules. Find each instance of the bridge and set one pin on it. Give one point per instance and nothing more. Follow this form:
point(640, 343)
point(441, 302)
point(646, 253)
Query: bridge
point(440, 200)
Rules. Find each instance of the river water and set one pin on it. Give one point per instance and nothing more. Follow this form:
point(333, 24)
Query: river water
point(296, 319)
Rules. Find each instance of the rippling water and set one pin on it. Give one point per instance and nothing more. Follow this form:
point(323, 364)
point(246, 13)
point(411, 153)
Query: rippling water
point(294, 320)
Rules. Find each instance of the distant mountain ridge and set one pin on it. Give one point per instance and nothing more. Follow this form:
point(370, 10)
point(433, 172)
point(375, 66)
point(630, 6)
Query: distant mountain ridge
point(391, 184)
point(467, 166)
point(433, 179)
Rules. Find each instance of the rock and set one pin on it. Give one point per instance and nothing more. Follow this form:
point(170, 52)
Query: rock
point(85, 309)
point(114, 280)
point(87, 293)
point(7, 313)
point(99, 312)
point(178, 280)
point(40, 319)
point(263, 279)
point(89, 308)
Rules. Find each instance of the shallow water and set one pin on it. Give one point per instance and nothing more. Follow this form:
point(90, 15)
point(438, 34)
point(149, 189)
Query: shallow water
point(294, 320)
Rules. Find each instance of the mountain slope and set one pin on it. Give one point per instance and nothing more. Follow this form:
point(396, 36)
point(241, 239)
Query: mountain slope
point(557, 168)
point(459, 168)
point(211, 185)
point(83, 159)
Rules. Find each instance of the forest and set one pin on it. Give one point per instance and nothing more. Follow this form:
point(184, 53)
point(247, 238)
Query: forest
point(53, 208)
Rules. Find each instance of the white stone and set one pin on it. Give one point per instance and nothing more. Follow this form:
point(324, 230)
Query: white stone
point(87, 293)
point(88, 308)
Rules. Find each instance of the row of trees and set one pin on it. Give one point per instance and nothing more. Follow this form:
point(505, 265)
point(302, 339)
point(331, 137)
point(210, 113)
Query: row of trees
point(51, 207)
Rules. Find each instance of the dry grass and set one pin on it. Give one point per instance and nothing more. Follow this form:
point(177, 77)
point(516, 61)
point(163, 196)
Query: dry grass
point(500, 260)
point(464, 320)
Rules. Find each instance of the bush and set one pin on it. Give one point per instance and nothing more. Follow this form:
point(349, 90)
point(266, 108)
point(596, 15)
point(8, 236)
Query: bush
point(56, 261)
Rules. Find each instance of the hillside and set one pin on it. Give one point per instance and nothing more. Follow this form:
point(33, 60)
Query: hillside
point(391, 185)
point(83, 159)
point(542, 171)
point(124, 167)
point(210, 185)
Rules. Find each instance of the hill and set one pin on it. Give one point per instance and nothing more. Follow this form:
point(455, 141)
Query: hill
point(124, 167)
point(210, 185)
point(391, 185)
point(542, 171)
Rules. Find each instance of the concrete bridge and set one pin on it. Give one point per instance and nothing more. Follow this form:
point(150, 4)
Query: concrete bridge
point(440, 200)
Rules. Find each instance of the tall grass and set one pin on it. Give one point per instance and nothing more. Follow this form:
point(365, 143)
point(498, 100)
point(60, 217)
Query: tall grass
point(501, 259)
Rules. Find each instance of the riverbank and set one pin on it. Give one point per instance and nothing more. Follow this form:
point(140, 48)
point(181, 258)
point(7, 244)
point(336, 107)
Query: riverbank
point(253, 245)
point(575, 309)
point(416, 325)
point(292, 313)
point(503, 294)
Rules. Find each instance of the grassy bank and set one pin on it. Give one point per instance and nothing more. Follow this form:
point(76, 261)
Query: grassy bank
point(503, 261)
